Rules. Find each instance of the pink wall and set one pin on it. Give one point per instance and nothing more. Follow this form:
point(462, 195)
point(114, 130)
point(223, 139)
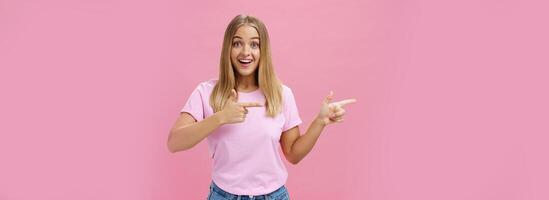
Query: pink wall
point(452, 96)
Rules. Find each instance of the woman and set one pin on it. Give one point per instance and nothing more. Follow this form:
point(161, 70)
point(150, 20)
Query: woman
point(246, 114)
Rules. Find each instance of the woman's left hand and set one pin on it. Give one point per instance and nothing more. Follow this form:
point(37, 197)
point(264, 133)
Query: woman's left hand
point(332, 112)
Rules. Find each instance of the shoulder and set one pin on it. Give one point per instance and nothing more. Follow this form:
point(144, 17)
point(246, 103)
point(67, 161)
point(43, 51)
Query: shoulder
point(286, 90)
point(287, 93)
point(207, 85)
point(288, 100)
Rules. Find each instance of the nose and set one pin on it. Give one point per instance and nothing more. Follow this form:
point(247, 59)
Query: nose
point(245, 50)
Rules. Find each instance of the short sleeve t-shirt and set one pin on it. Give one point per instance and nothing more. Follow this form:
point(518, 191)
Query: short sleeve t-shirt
point(246, 158)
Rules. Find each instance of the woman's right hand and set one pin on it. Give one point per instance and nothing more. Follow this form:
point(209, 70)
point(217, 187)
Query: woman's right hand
point(234, 111)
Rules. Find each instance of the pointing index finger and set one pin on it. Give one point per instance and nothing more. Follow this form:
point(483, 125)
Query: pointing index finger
point(251, 104)
point(345, 102)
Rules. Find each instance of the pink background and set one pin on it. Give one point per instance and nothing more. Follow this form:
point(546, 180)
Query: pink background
point(452, 96)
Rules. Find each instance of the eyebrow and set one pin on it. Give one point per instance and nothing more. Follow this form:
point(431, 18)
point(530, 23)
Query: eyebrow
point(241, 38)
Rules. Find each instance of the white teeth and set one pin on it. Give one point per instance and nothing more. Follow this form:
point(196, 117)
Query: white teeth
point(245, 60)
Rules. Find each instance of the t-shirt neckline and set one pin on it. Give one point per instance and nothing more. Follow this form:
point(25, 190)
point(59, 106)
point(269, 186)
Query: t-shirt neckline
point(251, 92)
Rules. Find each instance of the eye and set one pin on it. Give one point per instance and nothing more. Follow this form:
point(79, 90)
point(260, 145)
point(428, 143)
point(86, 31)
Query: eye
point(236, 44)
point(255, 45)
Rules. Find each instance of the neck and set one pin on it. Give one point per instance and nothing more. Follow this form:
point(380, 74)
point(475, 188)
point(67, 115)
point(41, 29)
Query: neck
point(246, 83)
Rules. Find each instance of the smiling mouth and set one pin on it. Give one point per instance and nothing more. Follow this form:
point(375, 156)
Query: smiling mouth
point(245, 62)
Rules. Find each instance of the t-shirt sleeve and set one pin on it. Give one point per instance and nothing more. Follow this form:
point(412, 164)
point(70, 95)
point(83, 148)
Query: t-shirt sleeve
point(195, 104)
point(291, 113)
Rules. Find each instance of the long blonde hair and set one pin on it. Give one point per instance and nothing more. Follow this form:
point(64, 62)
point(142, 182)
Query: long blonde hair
point(265, 76)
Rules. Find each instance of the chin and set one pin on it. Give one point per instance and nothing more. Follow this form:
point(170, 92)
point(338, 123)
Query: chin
point(245, 72)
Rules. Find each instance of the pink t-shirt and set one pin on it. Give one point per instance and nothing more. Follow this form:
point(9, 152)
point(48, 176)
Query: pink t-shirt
point(246, 156)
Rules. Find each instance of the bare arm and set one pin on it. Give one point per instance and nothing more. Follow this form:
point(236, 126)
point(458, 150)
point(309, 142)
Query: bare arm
point(295, 146)
point(186, 132)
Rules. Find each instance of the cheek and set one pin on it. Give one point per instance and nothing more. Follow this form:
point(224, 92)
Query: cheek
point(233, 54)
point(257, 55)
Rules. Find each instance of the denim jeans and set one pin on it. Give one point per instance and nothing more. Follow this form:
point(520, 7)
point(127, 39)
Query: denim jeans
point(217, 193)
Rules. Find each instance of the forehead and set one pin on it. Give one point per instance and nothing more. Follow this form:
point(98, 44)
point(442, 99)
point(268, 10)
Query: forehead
point(246, 32)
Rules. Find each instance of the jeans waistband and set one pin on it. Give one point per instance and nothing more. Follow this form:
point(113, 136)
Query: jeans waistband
point(272, 195)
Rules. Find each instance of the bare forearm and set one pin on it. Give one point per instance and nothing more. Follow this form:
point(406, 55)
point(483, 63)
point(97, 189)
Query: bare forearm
point(305, 143)
point(183, 138)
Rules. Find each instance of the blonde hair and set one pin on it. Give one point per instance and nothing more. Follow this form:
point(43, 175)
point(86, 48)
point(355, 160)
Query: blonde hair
point(265, 76)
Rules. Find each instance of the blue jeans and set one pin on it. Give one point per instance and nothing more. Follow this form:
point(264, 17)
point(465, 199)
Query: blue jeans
point(217, 193)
